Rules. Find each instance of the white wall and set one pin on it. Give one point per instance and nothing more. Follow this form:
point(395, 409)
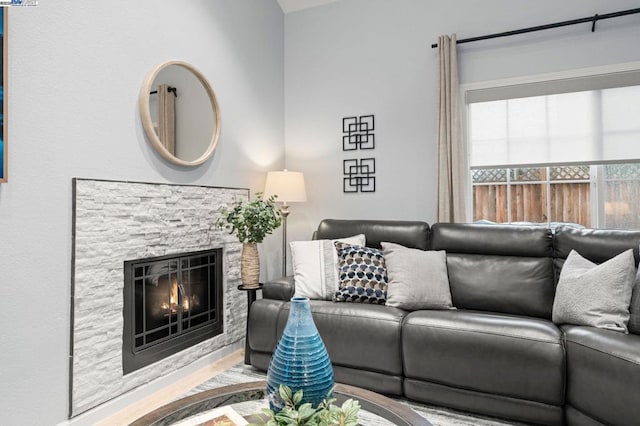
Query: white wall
point(358, 57)
point(74, 74)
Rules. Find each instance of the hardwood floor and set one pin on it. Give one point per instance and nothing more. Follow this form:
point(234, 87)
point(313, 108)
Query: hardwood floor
point(168, 394)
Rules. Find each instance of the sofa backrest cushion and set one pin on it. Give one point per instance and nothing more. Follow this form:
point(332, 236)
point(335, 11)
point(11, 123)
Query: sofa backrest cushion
point(634, 309)
point(598, 246)
point(499, 268)
point(413, 234)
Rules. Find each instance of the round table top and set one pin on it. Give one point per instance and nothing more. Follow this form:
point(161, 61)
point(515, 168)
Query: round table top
point(387, 408)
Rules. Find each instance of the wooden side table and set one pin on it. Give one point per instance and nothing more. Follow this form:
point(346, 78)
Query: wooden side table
point(252, 293)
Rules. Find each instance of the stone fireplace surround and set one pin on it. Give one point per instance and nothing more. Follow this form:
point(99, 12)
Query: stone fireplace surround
point(114, 221)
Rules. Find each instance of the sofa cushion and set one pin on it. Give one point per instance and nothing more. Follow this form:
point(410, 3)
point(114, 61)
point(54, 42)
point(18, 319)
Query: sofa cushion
point(500, 354)
point(597, 245)
point(315, 266)
point(279, 289)
point(603, 374)
point(362, 275)
point(385, 384)
point(575, 417)
point(499, 268)
point(528, 412)
point(414, 234)
point(357, 335)
point(634, 308)
point(499, 240)
point(595, 295)
point(262, 324)
point(417, 278)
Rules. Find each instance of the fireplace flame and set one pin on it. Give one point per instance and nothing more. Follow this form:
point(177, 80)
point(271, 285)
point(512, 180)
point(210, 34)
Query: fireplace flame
point(172, 306)
point(185, 304)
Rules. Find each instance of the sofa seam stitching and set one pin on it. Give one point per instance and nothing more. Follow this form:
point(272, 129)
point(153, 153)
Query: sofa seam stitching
point(471, 390)
point(487, 332)
point(621, 357)
point(355, 316)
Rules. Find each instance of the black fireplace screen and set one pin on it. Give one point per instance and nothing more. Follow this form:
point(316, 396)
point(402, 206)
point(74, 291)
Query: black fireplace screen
point(170, 303)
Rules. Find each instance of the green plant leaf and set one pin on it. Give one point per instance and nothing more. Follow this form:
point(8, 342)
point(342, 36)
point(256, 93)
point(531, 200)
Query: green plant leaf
point(252, 221)
point(350, 409)
point(269, 413)
point(305, 411)
point(325, 414)
point(287, 417)
point(286, 394)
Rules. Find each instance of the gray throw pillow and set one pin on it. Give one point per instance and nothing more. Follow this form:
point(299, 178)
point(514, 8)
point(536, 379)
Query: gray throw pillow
point(595, 295)
point(634, 309)
point(417, 279)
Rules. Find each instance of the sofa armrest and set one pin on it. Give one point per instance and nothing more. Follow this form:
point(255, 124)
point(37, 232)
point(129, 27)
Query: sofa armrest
point(279, 289)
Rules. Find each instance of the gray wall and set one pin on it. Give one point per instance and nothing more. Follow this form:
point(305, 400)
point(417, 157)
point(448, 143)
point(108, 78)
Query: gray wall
point(74, 74)
point(357, 57)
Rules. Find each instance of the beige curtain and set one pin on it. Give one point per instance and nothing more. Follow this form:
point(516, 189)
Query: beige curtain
point(452, 164)
point(167, 118)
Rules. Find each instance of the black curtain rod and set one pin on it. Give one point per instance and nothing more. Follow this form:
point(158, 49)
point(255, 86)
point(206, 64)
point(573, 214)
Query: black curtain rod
point(593, 19)
point(169, 89)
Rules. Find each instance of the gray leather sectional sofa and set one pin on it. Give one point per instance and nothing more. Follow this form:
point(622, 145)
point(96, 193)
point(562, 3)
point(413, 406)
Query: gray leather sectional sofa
point(498, 353)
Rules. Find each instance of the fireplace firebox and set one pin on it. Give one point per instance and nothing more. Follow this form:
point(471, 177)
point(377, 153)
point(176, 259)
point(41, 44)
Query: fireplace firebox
point(170, 303)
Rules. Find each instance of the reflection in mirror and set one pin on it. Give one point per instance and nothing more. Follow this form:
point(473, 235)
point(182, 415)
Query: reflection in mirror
point(163, 115)
point(180, 113)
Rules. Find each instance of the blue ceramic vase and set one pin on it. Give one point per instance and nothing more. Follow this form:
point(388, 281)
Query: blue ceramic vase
point(300, 359)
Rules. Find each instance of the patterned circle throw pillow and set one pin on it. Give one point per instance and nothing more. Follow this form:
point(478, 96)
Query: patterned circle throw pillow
point(362, 273)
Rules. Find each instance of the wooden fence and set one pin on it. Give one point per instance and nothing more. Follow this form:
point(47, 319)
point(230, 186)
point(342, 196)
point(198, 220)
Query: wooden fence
point(569, 202)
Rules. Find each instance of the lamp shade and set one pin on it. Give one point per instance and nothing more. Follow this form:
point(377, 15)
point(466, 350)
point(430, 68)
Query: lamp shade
point(288, 186)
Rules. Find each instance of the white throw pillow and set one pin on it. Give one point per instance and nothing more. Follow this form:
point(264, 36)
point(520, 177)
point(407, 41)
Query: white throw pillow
point(595, 295)
point(315, 266)
point(418, 279)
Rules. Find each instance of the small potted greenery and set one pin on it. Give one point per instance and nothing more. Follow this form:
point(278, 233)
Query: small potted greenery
point(251, 222)
point(325, 414)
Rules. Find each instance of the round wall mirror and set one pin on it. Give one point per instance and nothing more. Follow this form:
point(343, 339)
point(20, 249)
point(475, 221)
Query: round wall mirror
point(180, 113)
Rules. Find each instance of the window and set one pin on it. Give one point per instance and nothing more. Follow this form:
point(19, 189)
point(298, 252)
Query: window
point(556, 152)
point(566, 194)
point(620, 196)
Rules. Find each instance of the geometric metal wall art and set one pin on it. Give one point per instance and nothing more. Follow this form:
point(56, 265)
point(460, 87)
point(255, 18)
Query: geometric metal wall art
point(359, 175)
point(357, 133)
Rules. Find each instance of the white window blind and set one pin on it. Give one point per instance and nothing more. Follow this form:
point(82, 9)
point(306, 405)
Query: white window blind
point(509, 127)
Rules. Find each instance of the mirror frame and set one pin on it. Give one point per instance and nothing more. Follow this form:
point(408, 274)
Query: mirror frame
point(147, 123)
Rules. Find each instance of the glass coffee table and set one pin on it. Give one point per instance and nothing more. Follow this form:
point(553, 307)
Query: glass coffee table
point(235, 395)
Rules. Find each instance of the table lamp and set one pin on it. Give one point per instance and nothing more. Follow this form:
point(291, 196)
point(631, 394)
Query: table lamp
point(289, 187)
